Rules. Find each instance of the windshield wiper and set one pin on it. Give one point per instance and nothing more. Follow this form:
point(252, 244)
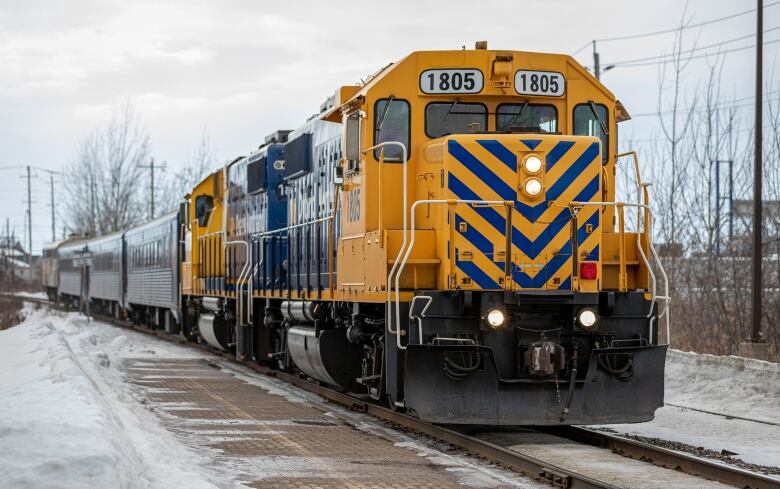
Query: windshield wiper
point(449, 110)
point(517, 116)
point(384, 113)
point(598, 117)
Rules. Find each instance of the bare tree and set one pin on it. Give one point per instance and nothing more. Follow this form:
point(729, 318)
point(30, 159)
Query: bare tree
point(197, 164)
point(675, 123)
point(103, 182)
point(704, 132)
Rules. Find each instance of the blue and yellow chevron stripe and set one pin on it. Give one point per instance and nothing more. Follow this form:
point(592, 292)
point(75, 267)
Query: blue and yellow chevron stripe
point(481, 167)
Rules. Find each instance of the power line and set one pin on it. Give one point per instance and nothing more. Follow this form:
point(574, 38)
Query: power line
point(631, 65)
point(724, 105)
point(683, 27)
point(699, 48)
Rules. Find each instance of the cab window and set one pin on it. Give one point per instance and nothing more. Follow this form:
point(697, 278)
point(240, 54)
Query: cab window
point(593, 120)
point(526, 118)
point(444, 118)
point(203, 206)
point(391, 123)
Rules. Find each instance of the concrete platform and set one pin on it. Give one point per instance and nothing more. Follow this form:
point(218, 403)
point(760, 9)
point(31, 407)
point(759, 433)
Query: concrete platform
point(270, 434)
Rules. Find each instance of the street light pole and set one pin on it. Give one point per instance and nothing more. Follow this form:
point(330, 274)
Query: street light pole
point(151, 166)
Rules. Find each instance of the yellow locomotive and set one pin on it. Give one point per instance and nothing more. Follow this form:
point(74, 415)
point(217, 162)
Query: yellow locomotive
point(445, 237)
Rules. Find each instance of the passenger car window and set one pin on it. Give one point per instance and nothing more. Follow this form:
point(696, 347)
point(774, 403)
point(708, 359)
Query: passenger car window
point(526, 118)
point(391, 123)
point(443, 118)
point(587, 124)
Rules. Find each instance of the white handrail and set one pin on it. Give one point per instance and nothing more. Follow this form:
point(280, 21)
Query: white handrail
point(294, 226)
point(241, 276)
point(405, 160)
point(428, 302)
point(662, 313)
point(408, 252)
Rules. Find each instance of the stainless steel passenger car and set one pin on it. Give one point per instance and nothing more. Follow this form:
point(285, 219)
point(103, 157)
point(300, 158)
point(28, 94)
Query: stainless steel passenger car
point(152, 291)
point(72, 283)
point(106, 273)
point(50, 269)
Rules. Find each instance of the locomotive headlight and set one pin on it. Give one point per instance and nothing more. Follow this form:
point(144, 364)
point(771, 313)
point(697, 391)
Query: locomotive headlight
point(495, 318)
point(587, 318)
point(533, 164)
point(533, 187)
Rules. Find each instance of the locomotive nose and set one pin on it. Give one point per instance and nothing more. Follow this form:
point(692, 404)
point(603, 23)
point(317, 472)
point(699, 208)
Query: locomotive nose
point(541, 175)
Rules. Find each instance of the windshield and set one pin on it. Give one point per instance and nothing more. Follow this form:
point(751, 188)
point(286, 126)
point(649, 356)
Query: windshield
point(526, 118)
point(443, 118)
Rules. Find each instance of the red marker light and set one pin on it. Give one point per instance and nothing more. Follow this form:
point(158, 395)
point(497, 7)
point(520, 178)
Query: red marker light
point(589, 270)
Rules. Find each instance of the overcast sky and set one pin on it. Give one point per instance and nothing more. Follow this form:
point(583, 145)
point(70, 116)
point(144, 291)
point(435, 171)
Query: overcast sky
point(242, 69)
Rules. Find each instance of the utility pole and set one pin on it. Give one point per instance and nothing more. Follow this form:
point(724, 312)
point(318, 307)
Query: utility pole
point(6, 248)
point(719, 197)
point(92, 213)
point(596, 63)
point(151, 168)
point(757, 177)
point(753, 345)
point(29, 221)
point(53, 223)
point(13, 262)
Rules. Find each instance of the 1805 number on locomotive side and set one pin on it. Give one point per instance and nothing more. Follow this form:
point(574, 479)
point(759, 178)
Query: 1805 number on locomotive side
point(546, 83)
point(451, 81)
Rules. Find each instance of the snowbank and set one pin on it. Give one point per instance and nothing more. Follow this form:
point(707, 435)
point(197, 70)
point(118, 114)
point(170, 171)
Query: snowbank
point(31, 295)
point(64, 417)
point(729, 385)
point(725, 384)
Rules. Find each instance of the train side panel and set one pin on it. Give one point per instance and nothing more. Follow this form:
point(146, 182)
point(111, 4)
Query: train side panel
point(70, 277)
point(152, 261)
point(106, 277)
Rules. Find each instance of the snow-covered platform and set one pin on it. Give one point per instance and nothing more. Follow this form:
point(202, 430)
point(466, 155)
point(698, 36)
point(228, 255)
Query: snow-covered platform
point(87, 404)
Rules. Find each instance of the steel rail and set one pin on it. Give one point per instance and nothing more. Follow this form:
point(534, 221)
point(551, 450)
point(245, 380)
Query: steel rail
point(517, 461)
point(664, 457)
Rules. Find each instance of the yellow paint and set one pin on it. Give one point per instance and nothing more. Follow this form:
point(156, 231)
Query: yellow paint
point(369, 244)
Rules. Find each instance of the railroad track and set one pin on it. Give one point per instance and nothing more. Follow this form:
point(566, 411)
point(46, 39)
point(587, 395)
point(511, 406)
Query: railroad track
point(722, 415)
point(536, 468)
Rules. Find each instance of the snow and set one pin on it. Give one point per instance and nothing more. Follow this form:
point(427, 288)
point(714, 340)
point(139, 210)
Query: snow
point(67, 423)
point(31, 295)
point(68, 419)
point(728, 385)
point(725, 384)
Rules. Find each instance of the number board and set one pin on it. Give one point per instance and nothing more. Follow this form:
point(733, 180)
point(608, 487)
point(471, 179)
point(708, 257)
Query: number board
point(451, 81)
point(545, 83)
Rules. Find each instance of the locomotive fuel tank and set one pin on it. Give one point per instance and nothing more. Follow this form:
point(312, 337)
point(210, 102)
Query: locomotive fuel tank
point(323, 354)
point(213, 325)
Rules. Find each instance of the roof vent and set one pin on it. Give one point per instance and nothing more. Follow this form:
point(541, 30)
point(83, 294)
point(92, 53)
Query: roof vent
point(480, 45)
